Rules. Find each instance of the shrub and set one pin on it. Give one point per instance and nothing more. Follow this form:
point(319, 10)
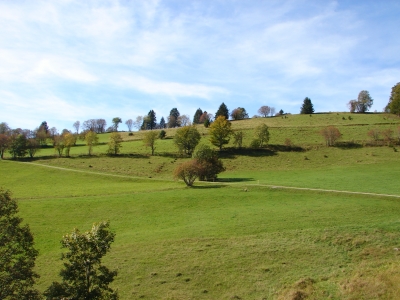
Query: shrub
point(188, 172)
point(331, 134)
point(208, 163)
point(162, 134)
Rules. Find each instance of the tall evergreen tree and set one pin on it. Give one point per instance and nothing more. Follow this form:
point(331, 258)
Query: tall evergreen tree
point(150, 121)
point(162, 123)
point(17, 254)
point(307, 107)
point(222, 111)
point(173, 119)
point(197, 115)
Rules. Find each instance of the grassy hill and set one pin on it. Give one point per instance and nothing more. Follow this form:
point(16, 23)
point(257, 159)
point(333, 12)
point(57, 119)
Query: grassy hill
point(241, 237)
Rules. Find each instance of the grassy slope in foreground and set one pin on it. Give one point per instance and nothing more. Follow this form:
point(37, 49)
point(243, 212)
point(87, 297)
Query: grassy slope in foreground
point(218, 242)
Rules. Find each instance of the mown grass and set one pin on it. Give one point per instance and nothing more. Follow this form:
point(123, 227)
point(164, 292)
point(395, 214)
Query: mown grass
point(233, 239)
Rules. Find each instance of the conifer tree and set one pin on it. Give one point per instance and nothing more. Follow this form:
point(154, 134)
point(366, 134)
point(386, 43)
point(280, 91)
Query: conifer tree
point(307, 107)
point(222, 111)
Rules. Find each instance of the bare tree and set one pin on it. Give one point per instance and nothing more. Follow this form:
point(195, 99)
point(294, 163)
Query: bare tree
point(272, 111)
point(76, 126)
point(184, 120)
point(129, 124)
point(264, 111)
point(331, 135)
point(374, 134)
point(138, 123)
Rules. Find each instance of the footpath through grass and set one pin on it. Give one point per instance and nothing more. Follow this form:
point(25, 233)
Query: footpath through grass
point(216, 242)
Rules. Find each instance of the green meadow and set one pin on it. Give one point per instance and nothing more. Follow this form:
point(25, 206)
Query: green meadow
point(245, 236)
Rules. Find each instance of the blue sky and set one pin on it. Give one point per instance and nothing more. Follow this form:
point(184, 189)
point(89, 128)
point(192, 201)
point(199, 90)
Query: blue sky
point(66, 60)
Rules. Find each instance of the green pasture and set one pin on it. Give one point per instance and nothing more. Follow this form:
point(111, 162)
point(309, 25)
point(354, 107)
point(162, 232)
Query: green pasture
point(240, 237)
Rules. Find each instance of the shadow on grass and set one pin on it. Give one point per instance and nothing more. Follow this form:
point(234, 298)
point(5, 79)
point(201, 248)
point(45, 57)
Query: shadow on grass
point(233, 152)
point(348, 145)
point(235, 179)
point(202, 187)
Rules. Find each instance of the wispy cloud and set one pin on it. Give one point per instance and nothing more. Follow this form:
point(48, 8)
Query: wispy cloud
point(72, 59)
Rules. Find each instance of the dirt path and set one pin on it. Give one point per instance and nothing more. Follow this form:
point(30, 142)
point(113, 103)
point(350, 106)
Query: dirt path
point(221, 183)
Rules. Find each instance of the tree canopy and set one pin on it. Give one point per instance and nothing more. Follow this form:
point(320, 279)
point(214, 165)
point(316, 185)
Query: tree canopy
point(17, 253)
point(187, 138)
point(394, 100)
point(239, 114)
point(222, 111)
point(220, 132)
point(83, 275)
point(307, 107)
point(197, 115)
point(362, 104)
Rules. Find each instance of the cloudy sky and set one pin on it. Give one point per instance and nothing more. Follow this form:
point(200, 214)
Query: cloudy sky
point(66, 60)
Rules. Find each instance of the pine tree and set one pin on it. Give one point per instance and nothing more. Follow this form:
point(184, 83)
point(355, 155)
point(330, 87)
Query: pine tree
point(173, 119)
point(197, 115)
point(222, 111)
point(307, 107)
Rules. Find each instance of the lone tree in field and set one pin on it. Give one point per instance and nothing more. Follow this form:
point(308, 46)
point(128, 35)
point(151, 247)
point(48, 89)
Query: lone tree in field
point(208, 163)
point(91, 140)
point(17, 254)
point(261, 134)
point(83, 275)
point(187, 138)
point(238, 139)
point(331, 134)
point(394, 101)
point(264, 111)
point(116, 122)
point(150, 138)
point(362, 104)
point(374, 134)
point(129, 124)
point(187, 171)
point(222, 111)
point(307, 107)
point(114, 144)
point(220, 132)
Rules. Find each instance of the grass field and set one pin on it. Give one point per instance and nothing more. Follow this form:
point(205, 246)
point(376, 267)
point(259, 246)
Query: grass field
point(237, 238)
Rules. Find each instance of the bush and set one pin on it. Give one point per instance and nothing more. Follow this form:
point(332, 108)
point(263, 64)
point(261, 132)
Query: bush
point(162, 134)
point(331, 135)
point(208, 163)
point(188, 172)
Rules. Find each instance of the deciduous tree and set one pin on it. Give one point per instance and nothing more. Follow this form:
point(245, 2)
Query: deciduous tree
point(150, 138)
point(17, 253)
point(69, 141)
point(394, 100)
point(187, 171)
point(220, 132)
point(4, 143)
point(187, 138)
point(116, 121)
point(374, 134)
point(184, 120)
point(59, 145)
point(262, 134)
point(208, 163)
point(76, 126)
point(362, 104)
point(129, 124)
point(91, 140)
point(331, 134)
point(238, 139)
point(307, 107)
point(83, 275)
point(264, 111)
point(32, 146)
point(18, 145)
point(114, 144)
point(239, 114)
point(4, 129)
